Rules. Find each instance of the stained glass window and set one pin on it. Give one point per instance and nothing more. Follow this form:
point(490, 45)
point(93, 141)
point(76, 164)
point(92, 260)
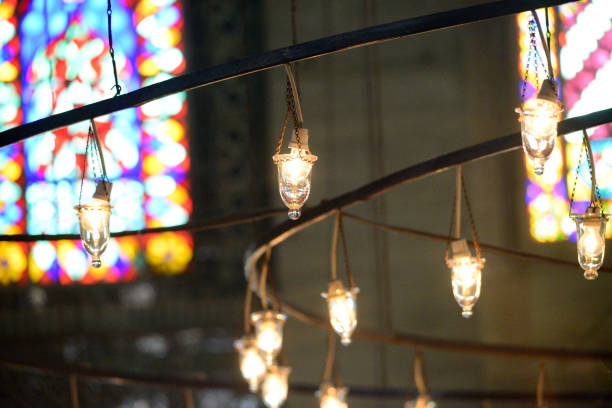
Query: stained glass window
point(61, 50)
point(585, 46)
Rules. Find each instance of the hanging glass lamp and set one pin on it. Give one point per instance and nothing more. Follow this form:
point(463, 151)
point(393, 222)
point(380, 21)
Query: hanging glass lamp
point(94, 222)
point(252, 362)
point(465, 276)
point(539, 118)
point(591, 240)
point(294, 173)
point(275, 386)
point(342, 307)
point(331, 397)
point(269, 333)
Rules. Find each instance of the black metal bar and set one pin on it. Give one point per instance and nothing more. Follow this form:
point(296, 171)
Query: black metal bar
point(201, 382)
point(272, 59)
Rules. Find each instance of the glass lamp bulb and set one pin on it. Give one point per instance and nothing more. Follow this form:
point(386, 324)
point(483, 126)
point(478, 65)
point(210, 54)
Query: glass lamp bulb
point(94, 228)
point(539, 118)
point(275, 386)
point(269, 333)
point(294, 174)
point(252, 363)
point(420, 402)
point(331, 397)
point(342, 306)
point(591, 241)
point(465, 276)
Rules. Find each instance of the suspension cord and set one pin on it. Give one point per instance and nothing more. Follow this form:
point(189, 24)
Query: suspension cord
point(545, 45)
point(109, 12)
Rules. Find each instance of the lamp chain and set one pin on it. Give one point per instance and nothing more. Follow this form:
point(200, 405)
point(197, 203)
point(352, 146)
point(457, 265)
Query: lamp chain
point(330, 360)
point(264, 275)
point(450, 229)
point(471, 219)
point(291, 107)
point(109, 13)
point(571, 201)
point(248, 300)
point(279, 145)
point(349, 273)
point(530, 54)
point(85, 156)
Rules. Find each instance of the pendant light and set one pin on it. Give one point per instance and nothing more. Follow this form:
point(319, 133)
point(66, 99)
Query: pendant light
point(341, 301)
point(423, 400)
point(591, 225)
point(539, 116)
point(331, 394)
point(94, 217)
point(294, 168)
point(275, 386)
point(466, 270)
point(252, 362)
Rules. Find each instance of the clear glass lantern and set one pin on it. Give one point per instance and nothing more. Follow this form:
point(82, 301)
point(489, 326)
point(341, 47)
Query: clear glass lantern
point(93, 223)
point(269, 333)
point(331, 397)
point(420, 402)
point(591, 240)
point(252, 362)
point(275, 387)
point(539, 117)
point(342, 307)
point(294, 173)
point(466, 276)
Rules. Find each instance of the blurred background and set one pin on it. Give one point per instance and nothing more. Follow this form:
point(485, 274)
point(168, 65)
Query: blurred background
point(172, 303)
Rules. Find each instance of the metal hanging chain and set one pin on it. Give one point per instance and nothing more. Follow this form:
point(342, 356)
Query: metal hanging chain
point(262, 280)
point(89, 136)
point(471, 219)
point(291, 105)
point(419, 374)
point(248, 300)
point(330, 359)
point(109, 12)
point(530, 54)
point(571, 198)
point(595, 195)
point(545, 44)
point(349, 273)
point(540, 385)
point(100, 157)
point(450, 229)
point(279, 145)
point(334, 248)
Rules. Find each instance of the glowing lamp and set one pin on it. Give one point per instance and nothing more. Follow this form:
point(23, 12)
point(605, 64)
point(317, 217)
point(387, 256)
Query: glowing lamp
point(591, 241)
point(93, 222)
point(342, 307)
point(539, 117)
point(252, 363)
point(269, 333)
point(294, 173)
point(465, 275)
point(420, 402)
point(331, 397)
point(275, 386)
